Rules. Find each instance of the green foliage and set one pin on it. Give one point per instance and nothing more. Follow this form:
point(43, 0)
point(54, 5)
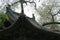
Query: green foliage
point(3, 17)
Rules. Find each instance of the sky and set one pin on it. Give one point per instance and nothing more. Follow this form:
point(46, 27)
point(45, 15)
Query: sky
point(28, 9)
point(4, 2)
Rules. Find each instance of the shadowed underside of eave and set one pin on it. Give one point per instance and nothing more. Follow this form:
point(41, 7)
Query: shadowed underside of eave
point(23, 29)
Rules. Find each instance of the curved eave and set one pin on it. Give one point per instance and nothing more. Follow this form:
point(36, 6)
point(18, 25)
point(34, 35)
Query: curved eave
point(13, 16)
point(24, 26)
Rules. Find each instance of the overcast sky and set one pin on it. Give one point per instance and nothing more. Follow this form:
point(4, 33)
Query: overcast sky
point(28, 9)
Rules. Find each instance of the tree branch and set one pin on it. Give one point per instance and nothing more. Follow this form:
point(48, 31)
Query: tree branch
point(48, 23)
point(14, 3)
point(56, 13)
point(24, 2)
point(30, 2)
point(51, 15)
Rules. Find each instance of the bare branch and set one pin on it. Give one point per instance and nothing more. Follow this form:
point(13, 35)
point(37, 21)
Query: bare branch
point(14, 3)
point(24, 2)
point(31, 2)
point(51, 15)
point(48, 23)
point(56, 13)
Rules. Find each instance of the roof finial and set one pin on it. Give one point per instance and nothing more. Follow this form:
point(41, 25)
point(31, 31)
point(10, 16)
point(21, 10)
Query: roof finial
point(8, 5)
point(33, 16)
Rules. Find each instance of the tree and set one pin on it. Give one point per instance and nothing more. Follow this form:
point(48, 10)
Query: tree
point(47, 14)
